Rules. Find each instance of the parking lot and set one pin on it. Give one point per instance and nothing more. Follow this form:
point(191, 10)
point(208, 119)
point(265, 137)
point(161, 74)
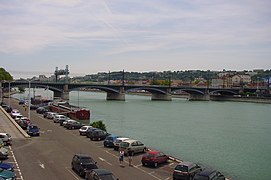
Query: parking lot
point(50, 154)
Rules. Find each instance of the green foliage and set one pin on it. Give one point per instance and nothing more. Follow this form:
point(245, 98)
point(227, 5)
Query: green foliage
point(98, 124)
point(21, 89)
point(4, 75)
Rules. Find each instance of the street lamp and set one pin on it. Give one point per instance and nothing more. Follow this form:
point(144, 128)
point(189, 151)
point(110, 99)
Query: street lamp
point(9, 93)
point(29, 100)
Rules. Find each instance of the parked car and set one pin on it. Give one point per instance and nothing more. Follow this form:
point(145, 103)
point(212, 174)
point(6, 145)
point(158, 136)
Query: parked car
point(154, 158)
point(134, 145)
point(81, 163)
point(100, 174)
point(73, 125)
point(6, 166)
point(51, 115)
point(24, 123)
point(45, 114)
point(33, 130)
point(118, 141)
point(84, 129)
point(61, 121)
point(67, 121)
point(98, 134)
point(186, 170)
point(209, 174)
point(41, 110)
point(33, 107)
point(5, 174)
point(21, 102)
point(3, 153)
point(6, 138)
point(89, 131)
point(8, 109)
point(109, 140)
point(59, 117)
point(2, 144)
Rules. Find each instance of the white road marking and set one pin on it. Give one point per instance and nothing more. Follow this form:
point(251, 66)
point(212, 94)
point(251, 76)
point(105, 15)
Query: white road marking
point(16, 163)
point(105, 161)
point(74, 175)
point(41, 165)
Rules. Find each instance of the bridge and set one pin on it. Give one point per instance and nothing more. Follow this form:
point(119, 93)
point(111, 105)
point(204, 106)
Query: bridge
point(117, 92)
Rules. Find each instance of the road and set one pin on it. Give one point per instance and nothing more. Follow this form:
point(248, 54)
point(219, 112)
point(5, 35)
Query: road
point(49, 155)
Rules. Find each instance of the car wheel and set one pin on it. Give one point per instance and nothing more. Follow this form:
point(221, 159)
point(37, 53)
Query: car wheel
point(99, 139)
point(72, 127)
point(144, 150)
point(155, 164)
point(81, 173)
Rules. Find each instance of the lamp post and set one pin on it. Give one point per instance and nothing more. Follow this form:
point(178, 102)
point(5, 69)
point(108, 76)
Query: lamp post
point(9, 93)
point(29, 99)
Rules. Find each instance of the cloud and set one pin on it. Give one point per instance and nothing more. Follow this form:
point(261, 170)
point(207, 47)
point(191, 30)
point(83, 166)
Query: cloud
point(132, 26)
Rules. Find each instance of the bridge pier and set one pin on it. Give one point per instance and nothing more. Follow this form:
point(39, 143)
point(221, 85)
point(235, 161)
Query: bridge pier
point(115, 96)
point(161, 97)
point(199, 97)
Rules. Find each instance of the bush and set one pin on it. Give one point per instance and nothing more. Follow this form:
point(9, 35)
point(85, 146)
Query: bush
point(99, 124)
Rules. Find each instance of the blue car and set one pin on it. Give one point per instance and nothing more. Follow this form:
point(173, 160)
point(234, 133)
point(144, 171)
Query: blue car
point(109, 140)
point(33, 130)
point(6, 166)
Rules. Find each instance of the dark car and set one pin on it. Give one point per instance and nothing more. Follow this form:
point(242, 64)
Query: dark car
point(186, 170)
point(89, 131)
point(98, 135)
point(8, 109)
point(154, 158)
point(23, 123)
point(6, 166)
point(41, 110)
point(109, 140)
point(21, 102)
point(209, 174)
point(73, 125)
point(82, 163)
point(33, 130)
point(100, 174)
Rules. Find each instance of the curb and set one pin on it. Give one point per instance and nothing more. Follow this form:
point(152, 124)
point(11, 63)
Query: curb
point(15, 124)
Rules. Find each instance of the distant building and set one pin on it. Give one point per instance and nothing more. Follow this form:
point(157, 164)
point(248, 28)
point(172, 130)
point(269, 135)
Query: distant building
point(217, 83)
point(43, 78)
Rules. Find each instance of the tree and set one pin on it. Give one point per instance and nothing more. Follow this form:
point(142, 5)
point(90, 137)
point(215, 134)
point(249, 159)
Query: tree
point(4, 75)
point(99, 124)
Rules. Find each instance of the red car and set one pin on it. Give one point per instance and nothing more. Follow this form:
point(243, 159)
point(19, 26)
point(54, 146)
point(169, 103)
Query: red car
point(154, 158)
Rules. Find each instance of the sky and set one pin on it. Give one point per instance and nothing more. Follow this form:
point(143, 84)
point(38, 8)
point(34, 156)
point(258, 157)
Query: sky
point(92, 36)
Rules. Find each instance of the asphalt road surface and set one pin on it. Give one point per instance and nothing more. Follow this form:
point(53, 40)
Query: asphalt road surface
point(49, 155)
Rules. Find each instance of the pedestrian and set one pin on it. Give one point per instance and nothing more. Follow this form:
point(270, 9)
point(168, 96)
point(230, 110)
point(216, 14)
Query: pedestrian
point(121, 157)
point(130, 156)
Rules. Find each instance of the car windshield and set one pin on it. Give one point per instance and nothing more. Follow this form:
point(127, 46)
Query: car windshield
point(181, 168)
point(83, 128)
point(86, 160)
point(107, 177)
point(149, 155)
point(33, 127)
point(124, 144)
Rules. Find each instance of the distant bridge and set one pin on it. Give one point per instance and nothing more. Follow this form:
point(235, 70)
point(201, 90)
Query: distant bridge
point(117, 92)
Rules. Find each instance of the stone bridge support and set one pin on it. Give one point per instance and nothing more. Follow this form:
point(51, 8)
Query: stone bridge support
point(64, 95)
point(161, 97)
point(199, 97)
point(116, 96)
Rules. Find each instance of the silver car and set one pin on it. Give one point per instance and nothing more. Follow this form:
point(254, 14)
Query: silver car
point(3, 153)
point(134, 145)
point(6, 138)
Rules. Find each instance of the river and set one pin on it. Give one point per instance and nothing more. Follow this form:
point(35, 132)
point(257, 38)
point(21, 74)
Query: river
point(232, 137)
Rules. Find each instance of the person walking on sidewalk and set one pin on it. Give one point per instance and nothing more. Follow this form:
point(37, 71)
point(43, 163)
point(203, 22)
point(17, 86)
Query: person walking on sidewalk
point(121, 157)
point(130, 156)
